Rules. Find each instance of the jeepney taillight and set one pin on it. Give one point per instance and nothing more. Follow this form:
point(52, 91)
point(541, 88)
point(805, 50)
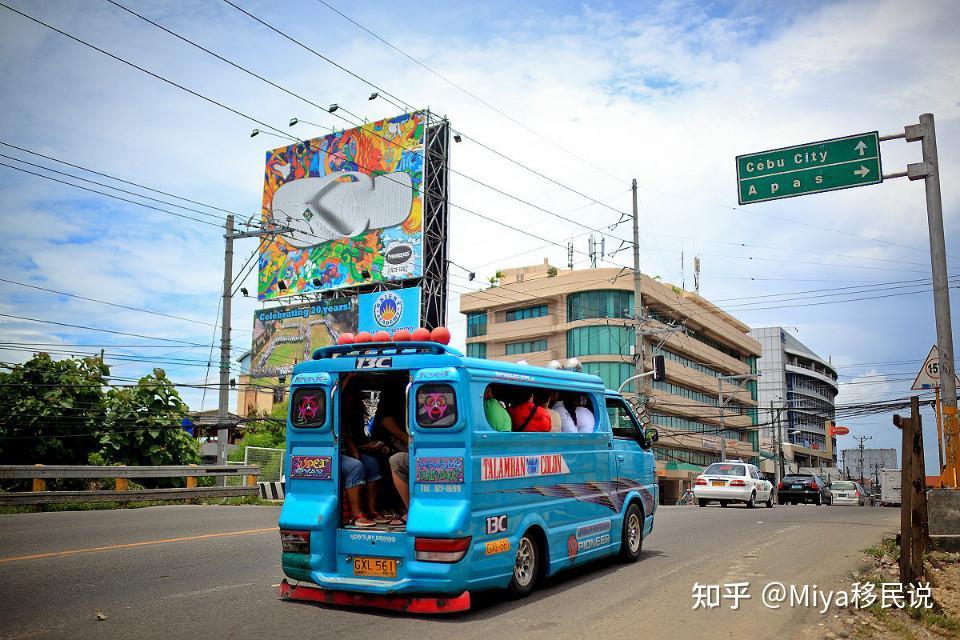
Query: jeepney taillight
point(295, 541)
point(441, 549)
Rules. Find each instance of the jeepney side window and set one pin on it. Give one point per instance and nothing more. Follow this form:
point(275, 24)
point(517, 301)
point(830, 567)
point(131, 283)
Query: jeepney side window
point(436, 406)
point(308, 408)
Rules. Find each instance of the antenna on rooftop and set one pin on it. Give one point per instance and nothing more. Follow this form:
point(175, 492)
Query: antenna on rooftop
point(696, 274)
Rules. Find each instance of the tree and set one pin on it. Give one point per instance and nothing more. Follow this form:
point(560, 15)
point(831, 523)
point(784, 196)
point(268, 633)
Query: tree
point(143, 425)
point(51, 411)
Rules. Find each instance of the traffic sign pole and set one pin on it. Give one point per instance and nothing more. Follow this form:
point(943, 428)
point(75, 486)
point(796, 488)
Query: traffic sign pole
point(929, 171)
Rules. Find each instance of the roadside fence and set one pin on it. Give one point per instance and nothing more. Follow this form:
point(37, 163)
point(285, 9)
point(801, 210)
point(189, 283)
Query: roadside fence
point(244, 477)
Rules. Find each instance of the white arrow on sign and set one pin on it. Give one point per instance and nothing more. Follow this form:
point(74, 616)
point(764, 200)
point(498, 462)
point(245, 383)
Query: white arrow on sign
point(862, 171)
point(860, 147)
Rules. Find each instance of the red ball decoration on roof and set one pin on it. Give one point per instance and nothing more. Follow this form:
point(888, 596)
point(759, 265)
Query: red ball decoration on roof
point(441, 335)
point(401, 335)
point(345, 338)
point(381, 336)
point(363, 336)
point(420, 335)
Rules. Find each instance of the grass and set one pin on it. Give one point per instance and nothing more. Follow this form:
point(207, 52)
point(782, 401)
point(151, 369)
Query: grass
point(888, 547)
point(933, 619)
point(102, 506)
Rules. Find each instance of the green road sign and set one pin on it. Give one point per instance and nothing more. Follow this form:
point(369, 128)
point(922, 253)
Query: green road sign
point(853, 161)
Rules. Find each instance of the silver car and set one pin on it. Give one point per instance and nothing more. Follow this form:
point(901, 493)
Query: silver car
point(848, 492)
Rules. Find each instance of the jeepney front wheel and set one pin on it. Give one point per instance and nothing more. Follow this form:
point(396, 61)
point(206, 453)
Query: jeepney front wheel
point(631, 540)
point(526, 567)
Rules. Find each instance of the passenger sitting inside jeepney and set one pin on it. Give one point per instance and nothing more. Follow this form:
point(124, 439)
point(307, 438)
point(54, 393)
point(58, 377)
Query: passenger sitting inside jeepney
point(358, 469)
point(574, 416)
point(528, 414)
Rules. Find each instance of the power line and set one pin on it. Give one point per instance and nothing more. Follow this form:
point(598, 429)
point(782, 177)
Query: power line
point(109, 195)
point(85, 328)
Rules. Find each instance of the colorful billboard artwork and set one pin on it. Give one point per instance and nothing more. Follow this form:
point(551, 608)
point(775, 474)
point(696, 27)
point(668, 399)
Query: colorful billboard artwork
point(354, 204)
point(390, 310)
point(283, 336)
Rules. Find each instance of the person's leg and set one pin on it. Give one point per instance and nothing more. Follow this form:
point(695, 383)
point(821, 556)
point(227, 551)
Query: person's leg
point(400, 469)
point(371, 469)
point(352, 470)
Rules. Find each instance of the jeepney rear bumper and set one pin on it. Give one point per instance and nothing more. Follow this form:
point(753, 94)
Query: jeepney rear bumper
point(410, 604)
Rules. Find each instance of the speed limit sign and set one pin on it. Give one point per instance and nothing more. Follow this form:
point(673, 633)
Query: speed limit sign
point(929, 376)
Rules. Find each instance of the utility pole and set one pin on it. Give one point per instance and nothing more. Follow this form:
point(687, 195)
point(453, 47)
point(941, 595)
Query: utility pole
point(777, 448)
point(223, 409)
point(862, 439)
point(929, 170)
point(639, 356)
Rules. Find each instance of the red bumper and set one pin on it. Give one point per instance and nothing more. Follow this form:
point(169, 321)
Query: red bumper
point(409, 604)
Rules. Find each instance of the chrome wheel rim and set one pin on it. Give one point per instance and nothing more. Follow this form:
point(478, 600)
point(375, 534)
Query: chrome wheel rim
point(633, 532)
point(523, 568)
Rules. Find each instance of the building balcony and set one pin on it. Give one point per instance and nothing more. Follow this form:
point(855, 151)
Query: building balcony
point(671, 404)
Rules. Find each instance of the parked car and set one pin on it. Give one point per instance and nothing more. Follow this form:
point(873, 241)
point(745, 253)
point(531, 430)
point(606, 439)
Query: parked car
point(803, 487)
point(849, 492)
point(727, 482)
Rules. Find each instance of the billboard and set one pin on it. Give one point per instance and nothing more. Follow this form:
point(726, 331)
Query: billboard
point(390, 310)
point(284, 336)
point(354, 203)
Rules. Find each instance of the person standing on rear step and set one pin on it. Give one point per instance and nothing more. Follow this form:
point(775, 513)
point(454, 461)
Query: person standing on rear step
point(358, 469)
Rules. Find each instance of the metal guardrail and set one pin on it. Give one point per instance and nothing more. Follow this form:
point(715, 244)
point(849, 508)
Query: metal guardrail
point(121, 476)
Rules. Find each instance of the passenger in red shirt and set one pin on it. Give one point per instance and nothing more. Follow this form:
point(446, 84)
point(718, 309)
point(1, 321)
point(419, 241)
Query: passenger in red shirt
point(528, 416)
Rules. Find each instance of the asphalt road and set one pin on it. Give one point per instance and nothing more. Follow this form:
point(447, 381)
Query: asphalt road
point(209, 571)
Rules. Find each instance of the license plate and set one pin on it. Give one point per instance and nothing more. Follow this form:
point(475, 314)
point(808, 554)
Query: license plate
point(796, 486)
point(718, 483)
point(377, 567)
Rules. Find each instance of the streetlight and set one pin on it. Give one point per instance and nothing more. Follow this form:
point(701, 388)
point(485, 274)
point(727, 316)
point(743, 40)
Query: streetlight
point(721, 402)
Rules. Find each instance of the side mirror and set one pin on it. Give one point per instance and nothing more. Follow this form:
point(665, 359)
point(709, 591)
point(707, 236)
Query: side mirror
point(651, 436)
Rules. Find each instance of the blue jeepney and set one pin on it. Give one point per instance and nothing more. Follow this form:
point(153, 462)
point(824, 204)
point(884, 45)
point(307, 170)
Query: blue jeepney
point(487, 509)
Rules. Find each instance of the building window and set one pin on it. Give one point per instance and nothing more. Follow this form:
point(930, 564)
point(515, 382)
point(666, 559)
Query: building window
point(527, 312)
point(476, 324)
point(477, 350)
point(607, 303)
point(613, 374)
point(529, 346)
point(682, 455)
point(703, 398)
point(599, 340)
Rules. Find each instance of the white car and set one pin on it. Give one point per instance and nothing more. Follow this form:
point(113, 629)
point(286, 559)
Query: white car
point(848, 492)
point(730, 481)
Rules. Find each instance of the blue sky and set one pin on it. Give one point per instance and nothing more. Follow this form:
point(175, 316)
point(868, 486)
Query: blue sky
point(665, 92)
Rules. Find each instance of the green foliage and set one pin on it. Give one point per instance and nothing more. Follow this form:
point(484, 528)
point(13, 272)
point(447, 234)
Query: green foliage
point(143, 425)
point(51, 411)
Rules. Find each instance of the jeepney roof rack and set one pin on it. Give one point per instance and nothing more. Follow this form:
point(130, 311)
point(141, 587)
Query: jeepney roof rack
point(384, 349)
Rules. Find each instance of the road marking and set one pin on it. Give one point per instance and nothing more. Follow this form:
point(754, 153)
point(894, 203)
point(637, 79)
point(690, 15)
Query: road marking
point(131, 545)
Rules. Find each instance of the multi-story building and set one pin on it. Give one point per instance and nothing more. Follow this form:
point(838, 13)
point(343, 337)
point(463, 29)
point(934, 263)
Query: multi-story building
point(797, 393)
point(540, 313)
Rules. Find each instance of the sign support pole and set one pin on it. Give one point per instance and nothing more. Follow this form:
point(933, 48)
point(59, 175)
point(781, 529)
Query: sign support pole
point(929, 170)
point(937, 409)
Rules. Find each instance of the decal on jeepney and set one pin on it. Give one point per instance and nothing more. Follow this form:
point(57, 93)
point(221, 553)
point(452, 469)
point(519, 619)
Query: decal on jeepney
point(551, 464)
point(311, 467)
point(609, 494)
point(441, 470)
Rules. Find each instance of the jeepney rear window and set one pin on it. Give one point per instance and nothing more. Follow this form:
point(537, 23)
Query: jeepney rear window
point(308, 408)
point(436, 406)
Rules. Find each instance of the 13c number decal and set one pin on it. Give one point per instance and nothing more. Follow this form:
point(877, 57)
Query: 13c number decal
point(374, 363)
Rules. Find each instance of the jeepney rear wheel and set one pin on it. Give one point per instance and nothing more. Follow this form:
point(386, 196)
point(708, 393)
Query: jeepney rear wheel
point(631, 540)
point(525, 568)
